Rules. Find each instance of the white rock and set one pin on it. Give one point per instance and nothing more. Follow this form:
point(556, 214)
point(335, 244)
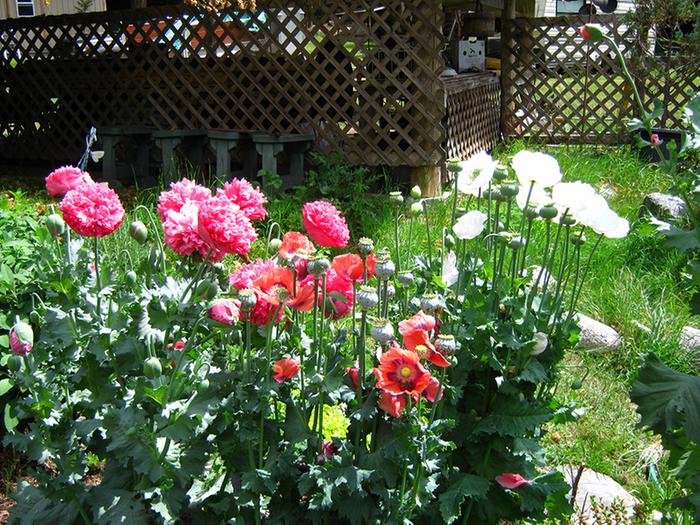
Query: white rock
point(664, 206)
point(602, 488)
point(596, 336)
point(690, 338)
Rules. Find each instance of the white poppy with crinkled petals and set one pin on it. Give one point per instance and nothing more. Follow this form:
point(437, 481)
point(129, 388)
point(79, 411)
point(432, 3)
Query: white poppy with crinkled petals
point(573, 196)
point(538, 197)
point(533, 166)
point(610, 224)
point(470, 225)
point(476, 174)
point(450, 273)
point(596, 206)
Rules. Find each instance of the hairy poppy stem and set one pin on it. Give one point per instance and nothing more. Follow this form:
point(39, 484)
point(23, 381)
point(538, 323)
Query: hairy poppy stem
point(98, 289)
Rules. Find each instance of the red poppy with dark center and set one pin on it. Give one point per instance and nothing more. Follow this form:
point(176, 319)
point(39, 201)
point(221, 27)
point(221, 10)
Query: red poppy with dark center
point(400, 372)
point(419, 342)
point(285, 369)
point(276, 287)
point(350, 266)
point(420, 321)
point(392, 404)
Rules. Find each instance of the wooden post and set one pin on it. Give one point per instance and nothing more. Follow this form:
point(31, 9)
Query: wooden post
point(429, 179)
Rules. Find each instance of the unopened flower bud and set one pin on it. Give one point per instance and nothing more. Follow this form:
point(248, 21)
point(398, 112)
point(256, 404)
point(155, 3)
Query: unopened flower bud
point(396, 198)
point(541, 342)
point(207, 289)
point(576, 384)
point(318, 265)
point(449, 241)
point(14, 363)
point(655, 140)
point(405, 278)
point(548, 212)
point(515, 243)
point(384, 267)
point(130, 278)
point(416, 192)
point(382, 331)
point(247, 298)
point(416, 209)
point(430, 303)
point(367, 297)
point(224, 312)
point(365, 246)
point(21, 338)
point(592, 32)
point(446, 344)
point(138, 232)
point(504, 237)
point(152, 368)
point(55, 225)
point(274, 246)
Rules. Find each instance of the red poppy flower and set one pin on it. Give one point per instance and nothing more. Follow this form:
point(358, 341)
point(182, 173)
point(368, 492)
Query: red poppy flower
point(419, 342)
point(431, 392)
point(179, 345)
point(353, 373)
point(400, 372)
point(420, 321)
point(350, 266)
point(339, 295)
point(391, 404)
point(276, 287)
point(295, 244)
point(511, 481)
point(285, 369)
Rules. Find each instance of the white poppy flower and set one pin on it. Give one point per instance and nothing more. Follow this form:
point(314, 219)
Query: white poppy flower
point(476, 174)
point(538, 197)
point(470, 225)
point(596, 206)
point(540, 168)
point(541, 342)
point(573, 196)
point(450, 274)
point(610, 224)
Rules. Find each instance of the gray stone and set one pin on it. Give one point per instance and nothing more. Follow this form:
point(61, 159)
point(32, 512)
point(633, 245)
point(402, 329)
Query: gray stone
point(690, 338)
point(664, 206)
point(600, 487)
point(596, 336)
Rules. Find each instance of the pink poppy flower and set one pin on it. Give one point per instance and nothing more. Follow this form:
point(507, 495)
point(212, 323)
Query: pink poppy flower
point(392, 404)
point(225, 311)
point(431, 391)
point(350, 266)
point(325, 224)
point(295, 244)
point(420, 321)
point(224, 227)
point(285, 369)
point(181, 193)
point(62, 180)
point(419, 342)
point(92, 210)
point(338, 294)
point(353, 373)
point(250, 200)
point(511, 481)
point(181, 232)
point(244, 278)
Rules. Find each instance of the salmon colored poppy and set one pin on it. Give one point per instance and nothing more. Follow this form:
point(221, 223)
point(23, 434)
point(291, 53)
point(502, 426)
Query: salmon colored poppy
point(392, 404)
point(295, 244)
point(431, 392)
point(350, 267)
point(511, 481)
point(400, 372)
point(285, 369)
point(420, 321)
point(276, 287)
point(419, 342)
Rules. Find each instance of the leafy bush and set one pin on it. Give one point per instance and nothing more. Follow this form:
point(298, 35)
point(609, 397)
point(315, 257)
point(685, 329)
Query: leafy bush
point(282, 393)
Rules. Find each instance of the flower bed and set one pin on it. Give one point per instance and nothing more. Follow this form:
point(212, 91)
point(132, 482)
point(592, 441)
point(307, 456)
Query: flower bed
point(203, 394)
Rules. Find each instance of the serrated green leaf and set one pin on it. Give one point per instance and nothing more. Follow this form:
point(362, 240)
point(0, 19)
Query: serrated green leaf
point(461, 486)
point(513, 418)
point(683, 240)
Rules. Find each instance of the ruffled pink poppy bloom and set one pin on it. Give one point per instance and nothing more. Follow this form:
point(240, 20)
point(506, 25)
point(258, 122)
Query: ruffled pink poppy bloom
point(250, 200)
point(244, 278)
point(419, 342)
point(324, 223)
point(60, 181)
point(276, 286)
point(92, 210)
point(224, 227)
point(420, 321)
point(225, 311)
point(285, 369)
point(181, 232)
point(181, 193)
point(431, 391)
point(392, 404)
point(511, 481)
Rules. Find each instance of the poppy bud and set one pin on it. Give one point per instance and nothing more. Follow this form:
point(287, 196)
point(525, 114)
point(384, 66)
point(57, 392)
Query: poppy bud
point(416, 209)
point(130, 278)
point(55, 225)
point(274, 246)
point(591, 32)
point(21, 338)
point(516, 243)
point(224, 312)
point(34, 317)
point(655, 140)
point(203, 386)
point(416, 192)
point(576, 384)
point(449, 241)
point(138, 232)
point(152, 367)
point(14, 363)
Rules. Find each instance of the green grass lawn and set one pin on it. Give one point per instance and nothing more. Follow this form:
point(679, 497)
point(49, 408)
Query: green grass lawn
point(632, 281)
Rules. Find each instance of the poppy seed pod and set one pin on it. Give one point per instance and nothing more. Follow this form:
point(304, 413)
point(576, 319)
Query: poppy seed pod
point(247, 298)
point(405, 278)
point(567, 220)
point(318, 265)
point(396, 198)
point(384, 268)
point(382, 331)
point(390, 291)
point(500, 173)
point(367, 297)
point(430, 303)
point(365, 246)
point(548, 212)
point(531, 213)
point(446, 344)
point(509, 190)
point(138, 232)
point(453, 166)
point(578, 240)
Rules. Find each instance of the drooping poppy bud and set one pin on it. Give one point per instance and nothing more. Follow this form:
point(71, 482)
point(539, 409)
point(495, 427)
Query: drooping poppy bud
point(138, 232)
point(592, 32)
point(21, 338)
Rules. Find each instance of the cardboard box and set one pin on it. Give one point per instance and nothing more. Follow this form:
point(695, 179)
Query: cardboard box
point(469, 55)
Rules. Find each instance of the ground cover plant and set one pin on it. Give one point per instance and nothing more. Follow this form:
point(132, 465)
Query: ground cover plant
point(204, 399)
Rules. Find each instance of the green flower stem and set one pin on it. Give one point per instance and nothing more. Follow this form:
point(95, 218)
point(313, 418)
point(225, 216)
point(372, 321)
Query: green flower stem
point(513, 268)
point(68, 250)
point(550, 262)
point(81, 510)
point(455, 197)
point(268, 375)
point(576, 274)
point(314, 347)
point(410, 241)
point(98, 288)
point(527, 244)
point(156, 235)
point(396, 239)
point(324, 357)
point(427, 233)
point(562, 266)
point(269, 235)
point(182, 354)
point(559, 301)
point(521, 229)
point(197, 276)
point(583, 277)
point(361, 357)
point(627, 73)
point(533, 287)
point(385, 299)
point(441, 381)
point(502, 254)
point(251, 460)
point(246, 361)
point(488, 216)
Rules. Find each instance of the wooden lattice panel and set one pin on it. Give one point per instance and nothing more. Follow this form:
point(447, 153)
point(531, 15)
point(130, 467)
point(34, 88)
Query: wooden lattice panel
point(361, 76)
point(557, 88)
point(473, 112)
